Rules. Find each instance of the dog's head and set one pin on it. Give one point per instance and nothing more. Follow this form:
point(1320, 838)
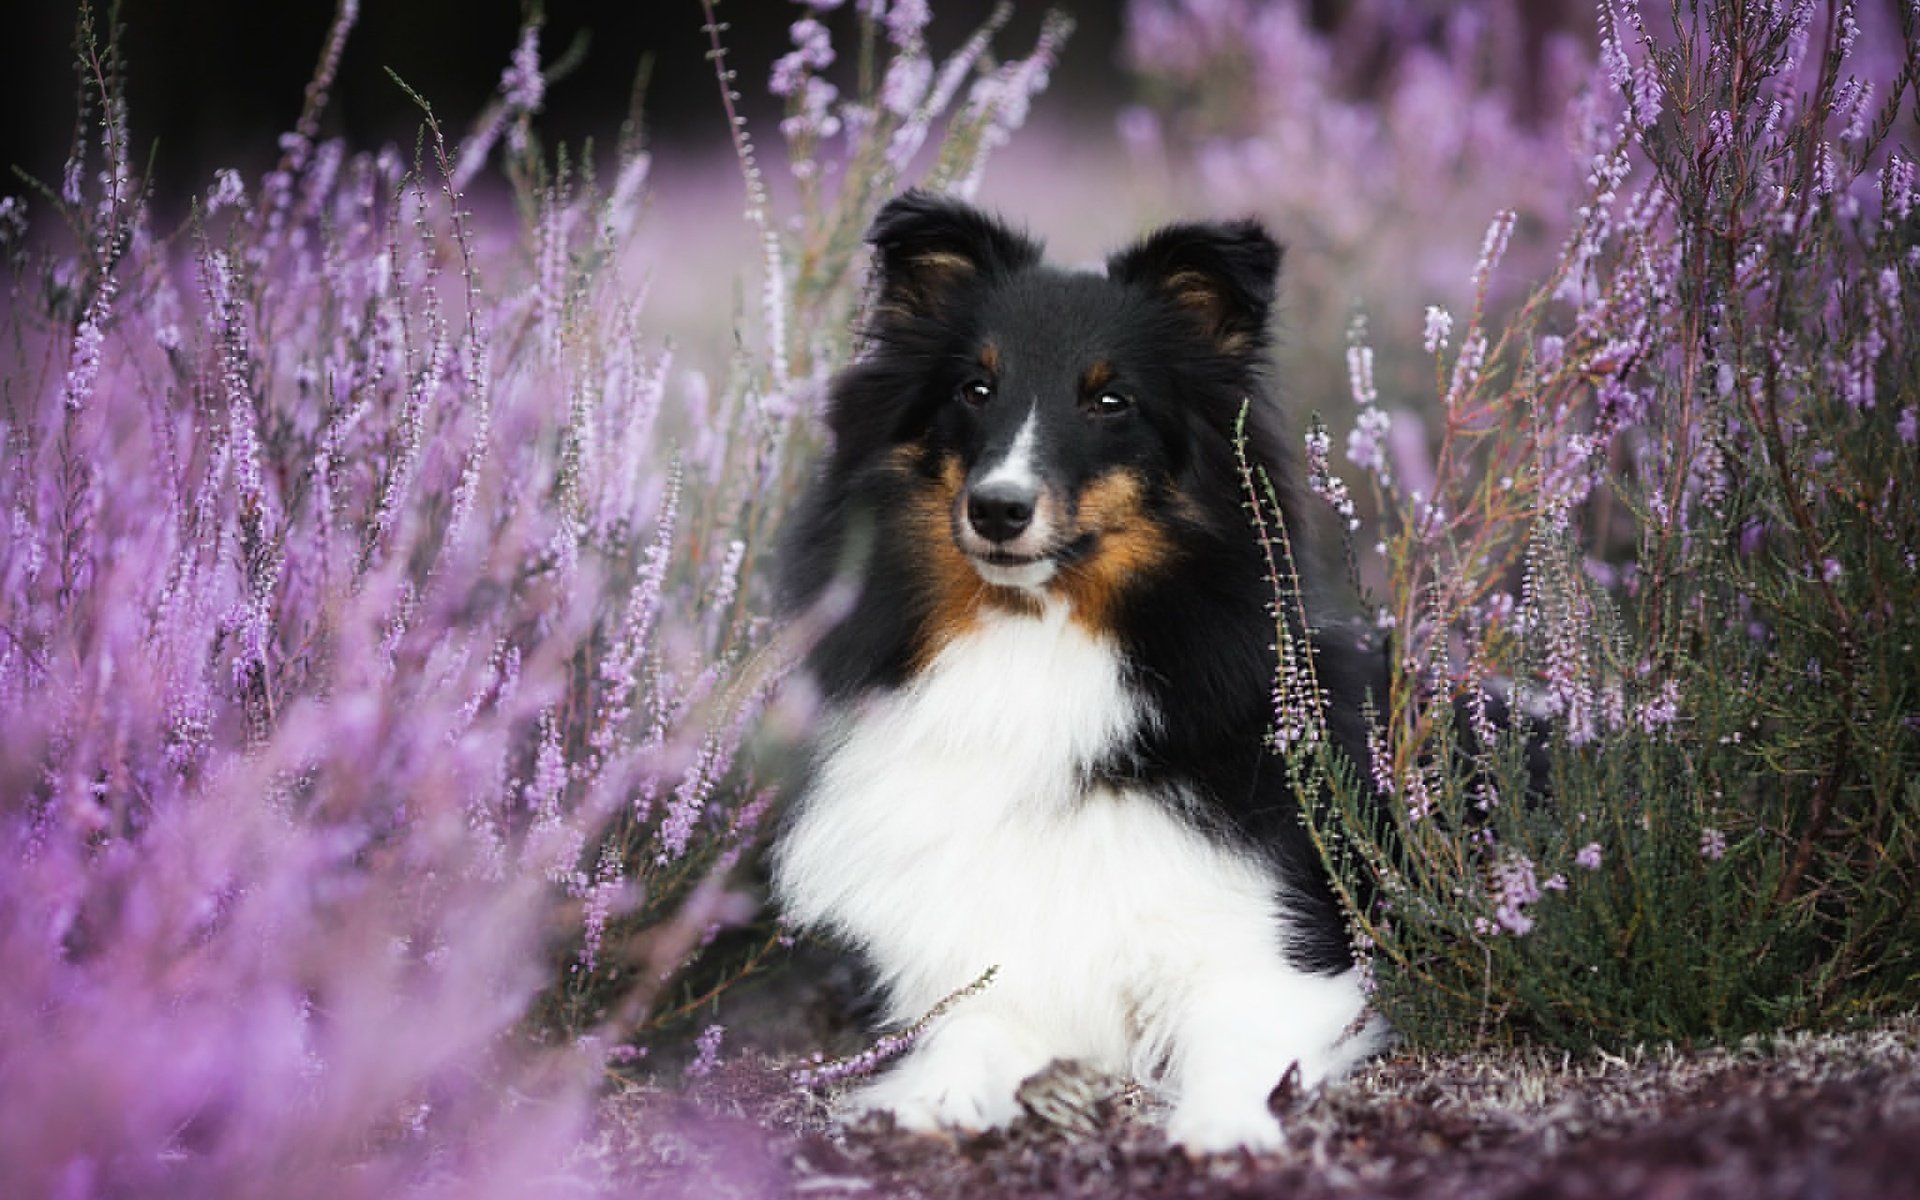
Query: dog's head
point(1066, 422)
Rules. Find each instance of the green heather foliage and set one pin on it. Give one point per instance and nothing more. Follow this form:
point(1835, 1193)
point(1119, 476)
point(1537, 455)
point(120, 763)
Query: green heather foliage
point(1674, 502)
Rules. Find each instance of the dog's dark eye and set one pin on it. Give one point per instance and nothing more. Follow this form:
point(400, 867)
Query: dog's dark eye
point(974, 392)
point(1108, 404)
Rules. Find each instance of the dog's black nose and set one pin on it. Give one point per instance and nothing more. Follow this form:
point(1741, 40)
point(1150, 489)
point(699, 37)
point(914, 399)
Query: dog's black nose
point(999, 512)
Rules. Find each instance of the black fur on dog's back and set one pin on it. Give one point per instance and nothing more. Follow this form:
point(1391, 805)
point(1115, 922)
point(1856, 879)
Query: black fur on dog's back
point(1179, 582)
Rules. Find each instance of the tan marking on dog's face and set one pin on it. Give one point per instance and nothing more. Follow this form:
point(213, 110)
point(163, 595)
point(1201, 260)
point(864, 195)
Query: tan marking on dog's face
point(956, 593)
point(1130, 543)
point(990, 358)
point(1097, 377)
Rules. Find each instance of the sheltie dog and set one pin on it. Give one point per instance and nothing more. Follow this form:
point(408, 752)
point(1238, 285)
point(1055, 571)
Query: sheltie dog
point(1045, 744)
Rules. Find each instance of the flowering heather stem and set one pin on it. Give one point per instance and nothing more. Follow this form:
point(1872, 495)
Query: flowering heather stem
point(775, 296)
point(889, 1046)
point(1298, 701)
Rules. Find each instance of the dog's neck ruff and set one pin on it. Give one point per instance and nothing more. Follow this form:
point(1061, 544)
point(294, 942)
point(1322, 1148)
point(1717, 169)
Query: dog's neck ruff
point(1034, 699)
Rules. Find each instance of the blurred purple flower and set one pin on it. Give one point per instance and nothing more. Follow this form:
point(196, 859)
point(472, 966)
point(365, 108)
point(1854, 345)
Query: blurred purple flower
point(1439, 327)
point(521, 85)
point(1365, 448)
point(228, 191)
point(906, 82)
point(905, 21)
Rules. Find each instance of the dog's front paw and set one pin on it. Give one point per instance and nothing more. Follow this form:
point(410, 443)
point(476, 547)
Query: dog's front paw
point(963, 1077)
point(1219, 1124)
point(928, 1102)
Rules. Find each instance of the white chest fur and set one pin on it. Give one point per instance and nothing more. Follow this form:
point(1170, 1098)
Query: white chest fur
point(951, 826)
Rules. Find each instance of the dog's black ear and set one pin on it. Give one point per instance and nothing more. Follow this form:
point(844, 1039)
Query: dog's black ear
point(1224, 273)
point(929, 249)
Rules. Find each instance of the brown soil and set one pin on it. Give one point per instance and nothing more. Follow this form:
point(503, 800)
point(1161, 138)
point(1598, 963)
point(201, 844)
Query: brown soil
point(1829, 1117)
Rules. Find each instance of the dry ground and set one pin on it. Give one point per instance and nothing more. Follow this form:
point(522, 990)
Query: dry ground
point(1804, 1116)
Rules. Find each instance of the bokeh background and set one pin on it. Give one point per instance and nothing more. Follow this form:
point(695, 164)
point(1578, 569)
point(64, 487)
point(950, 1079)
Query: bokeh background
point(1351, 127)
point(216, 82)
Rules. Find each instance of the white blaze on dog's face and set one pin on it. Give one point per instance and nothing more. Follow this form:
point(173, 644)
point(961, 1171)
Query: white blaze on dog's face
point(1007, 518)
point(1064, 437)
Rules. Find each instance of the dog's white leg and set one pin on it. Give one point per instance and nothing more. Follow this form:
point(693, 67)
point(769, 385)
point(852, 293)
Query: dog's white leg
point(962, 1074)
point(1237, 1035)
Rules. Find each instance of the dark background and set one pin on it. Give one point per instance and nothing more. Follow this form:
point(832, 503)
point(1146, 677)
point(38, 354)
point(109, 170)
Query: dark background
point(215, 82)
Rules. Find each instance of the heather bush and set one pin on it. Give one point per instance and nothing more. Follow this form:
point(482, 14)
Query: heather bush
point(380, 642)
point(1669, 514)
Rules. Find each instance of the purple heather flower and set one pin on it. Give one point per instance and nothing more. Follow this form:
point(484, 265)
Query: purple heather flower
point(1662, 709)
point(1438, 328)
point(1713, 844)
point(1419, 800)
point(84, 366)
point(1466, 368)
point(905, 21)
point(1380, 760)
point(1824, 170)
point(1588, 859)
point(1854, 100)
point(1897, 187)
point(707, 1055)
point(1360, 371)
point(1493, 247)
point(1364, 443)
point(600, 899)
point(13, 221)
point(789, 74)
point(1514, 889)
point(888, 1046)
point(1323, 481)
point(813, 43)
point(813, 116)
point(1003, 99)
point(905, 86)
point(228, 191)
point(1908, 426)
point(521, 84)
